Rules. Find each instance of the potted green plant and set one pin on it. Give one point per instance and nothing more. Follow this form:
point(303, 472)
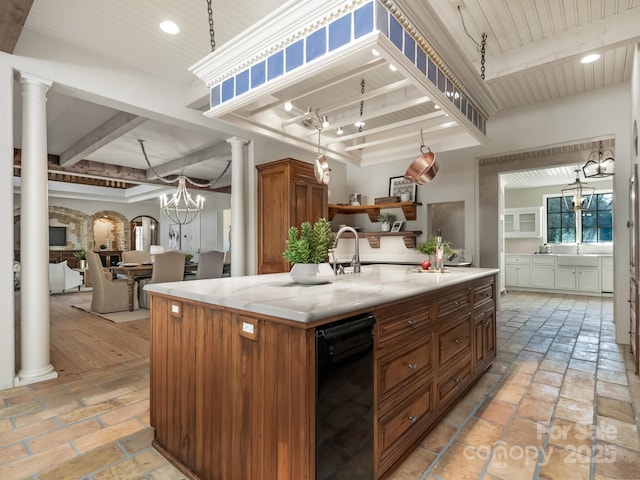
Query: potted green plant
point(103, 247)
point(187, 258)
point(429, 247)
point(81, 255)
point(307, 247)
point(386, 219)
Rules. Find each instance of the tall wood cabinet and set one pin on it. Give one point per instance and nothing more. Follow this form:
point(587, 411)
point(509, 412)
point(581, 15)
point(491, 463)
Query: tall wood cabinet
point(288, 194)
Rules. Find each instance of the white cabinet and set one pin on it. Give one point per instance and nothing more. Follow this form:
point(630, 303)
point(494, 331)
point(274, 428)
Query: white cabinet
point(543, 271)
point(522, 222)
point(584, 279)
point(517, 271)
point(606, 274)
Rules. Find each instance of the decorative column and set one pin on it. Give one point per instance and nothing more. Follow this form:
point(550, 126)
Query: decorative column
point(34, 227)
point(238, 206)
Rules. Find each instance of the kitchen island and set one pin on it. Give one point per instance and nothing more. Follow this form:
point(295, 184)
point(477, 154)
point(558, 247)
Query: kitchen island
point(234, 367)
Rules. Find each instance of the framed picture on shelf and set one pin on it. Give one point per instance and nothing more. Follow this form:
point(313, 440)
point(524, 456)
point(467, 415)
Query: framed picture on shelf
point(403, 188)
point(397, 225)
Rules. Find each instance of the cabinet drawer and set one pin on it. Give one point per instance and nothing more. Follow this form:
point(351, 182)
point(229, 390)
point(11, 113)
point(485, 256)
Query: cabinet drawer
point(483, 295)
point(453, 303)
point(399, 422)
point(396, 368)
point(454, 340)
point(449, 384)
point(516, 259)
point(402, 321)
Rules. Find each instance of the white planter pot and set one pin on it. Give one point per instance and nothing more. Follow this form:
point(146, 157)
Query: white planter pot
point(305, 273)
point(385, 227)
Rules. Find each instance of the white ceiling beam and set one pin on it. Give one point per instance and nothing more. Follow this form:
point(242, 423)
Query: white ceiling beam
point(221, 151)
point(390, 126)
point(402, 136)
point(608, 33)
point(106, 133)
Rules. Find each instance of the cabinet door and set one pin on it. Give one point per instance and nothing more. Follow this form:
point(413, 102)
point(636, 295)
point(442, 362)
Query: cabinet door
point(566, 278)
point(607, 279)
point(509, 223)
point(588, 279)
point(543, 276)
point(527, 223)
point(523, 276)
point(484, 341)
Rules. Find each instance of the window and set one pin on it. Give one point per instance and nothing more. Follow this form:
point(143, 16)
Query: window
point(597, 222)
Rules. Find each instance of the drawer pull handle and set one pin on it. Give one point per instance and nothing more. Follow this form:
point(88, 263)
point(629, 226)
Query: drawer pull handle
point(457, 380)
point(413, 418)
point(412, 366)
point(457, 304)
point(486, 323)
point(458, 341)
point(411, 322)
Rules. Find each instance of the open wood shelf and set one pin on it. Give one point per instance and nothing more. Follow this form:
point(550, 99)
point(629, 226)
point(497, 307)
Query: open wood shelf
point(409, 237)
point(408, 209)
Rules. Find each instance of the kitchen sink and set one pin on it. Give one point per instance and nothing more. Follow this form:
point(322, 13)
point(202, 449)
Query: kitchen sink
point(585, 260)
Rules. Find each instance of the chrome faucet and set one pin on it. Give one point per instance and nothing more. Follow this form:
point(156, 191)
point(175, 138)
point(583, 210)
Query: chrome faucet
point(355, 262)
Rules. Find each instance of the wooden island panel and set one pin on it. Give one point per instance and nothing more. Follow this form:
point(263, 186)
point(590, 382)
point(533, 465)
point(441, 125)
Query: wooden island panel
point(225, 405)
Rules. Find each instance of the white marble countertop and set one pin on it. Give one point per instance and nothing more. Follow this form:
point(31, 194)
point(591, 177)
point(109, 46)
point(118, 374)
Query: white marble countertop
point(277, 295)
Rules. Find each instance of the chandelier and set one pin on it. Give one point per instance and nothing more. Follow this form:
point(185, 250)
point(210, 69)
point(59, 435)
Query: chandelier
point(181, 208)
point(599, 164)
point(577, 195)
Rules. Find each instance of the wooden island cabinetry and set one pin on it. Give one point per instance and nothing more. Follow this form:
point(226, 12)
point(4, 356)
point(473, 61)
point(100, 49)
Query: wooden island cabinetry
point(288, 195)
point(233, 392)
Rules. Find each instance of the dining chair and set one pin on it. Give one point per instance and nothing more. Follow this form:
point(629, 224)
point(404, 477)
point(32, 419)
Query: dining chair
point(167, 267)
point(108, 295)
point(136, 256)
point(210, 264)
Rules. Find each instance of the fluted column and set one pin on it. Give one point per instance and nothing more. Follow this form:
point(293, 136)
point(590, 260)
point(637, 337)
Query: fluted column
point(238, 206)
point(34, 227)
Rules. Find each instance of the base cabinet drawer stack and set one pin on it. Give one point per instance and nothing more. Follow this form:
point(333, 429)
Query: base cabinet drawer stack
point(429, 351)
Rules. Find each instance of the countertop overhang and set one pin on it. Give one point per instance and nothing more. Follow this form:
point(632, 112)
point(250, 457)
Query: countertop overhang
point(277, 295)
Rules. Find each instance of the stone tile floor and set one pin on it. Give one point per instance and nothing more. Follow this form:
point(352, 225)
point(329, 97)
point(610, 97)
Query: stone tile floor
point(559, 402)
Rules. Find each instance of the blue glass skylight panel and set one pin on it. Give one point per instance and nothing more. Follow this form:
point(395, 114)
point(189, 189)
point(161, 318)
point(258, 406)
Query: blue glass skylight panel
point(275, 65)
point(294, 55)
point(363, 20)
point(227, 89)
point(258, 74)
point(340, 32)
point(242, 82)
point(316, 44)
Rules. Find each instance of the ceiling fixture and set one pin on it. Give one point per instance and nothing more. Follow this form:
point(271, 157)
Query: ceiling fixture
point(325, 121)
point(288, 106)
point(321, 167)
point(424, 168)
point(181, 208)
point(600, 164)
point(169, 27)
point(360, 123)
point(339, 131)
point(592, 57)
point(577, 195)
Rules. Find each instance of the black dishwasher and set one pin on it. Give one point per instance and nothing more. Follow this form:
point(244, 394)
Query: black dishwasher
point(344, 399)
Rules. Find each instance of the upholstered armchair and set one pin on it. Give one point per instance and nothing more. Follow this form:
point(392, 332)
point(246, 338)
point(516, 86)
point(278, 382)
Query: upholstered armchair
point(108, 295)
point(210, 264)
point(167, 267)
point(63, 278)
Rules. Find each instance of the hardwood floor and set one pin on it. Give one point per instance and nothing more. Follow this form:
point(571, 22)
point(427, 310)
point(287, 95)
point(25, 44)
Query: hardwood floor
point(81, 341)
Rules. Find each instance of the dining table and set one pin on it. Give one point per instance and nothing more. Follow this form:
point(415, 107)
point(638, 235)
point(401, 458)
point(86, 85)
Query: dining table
point(133, 271)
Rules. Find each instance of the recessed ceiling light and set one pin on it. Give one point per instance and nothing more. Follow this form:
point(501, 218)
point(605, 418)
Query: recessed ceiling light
point(392, 67)
point(375, 52)
point(169, 27)
point(436, 106)
point(359, 123)
point(288, 106)
point(592, 57)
